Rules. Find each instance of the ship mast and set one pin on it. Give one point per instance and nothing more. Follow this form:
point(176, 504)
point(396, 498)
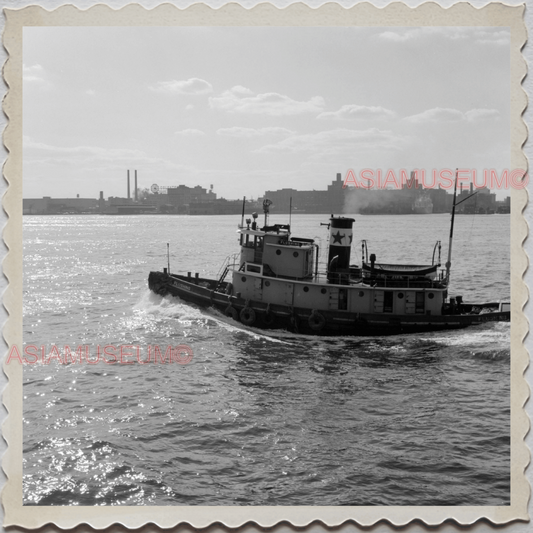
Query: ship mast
point(242, 219)
point(449, 262)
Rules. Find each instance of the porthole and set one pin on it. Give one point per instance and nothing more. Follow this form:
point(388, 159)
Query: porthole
point(296, 254)
point(278, 252)
point(361, 294)
point(267, 283)
point(400, 295)
point(243, 279)
point(431, 295)
point(323, 291)
point(306, 289)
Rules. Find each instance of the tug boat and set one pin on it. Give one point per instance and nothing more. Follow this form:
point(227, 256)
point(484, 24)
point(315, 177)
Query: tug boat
point(274, 283)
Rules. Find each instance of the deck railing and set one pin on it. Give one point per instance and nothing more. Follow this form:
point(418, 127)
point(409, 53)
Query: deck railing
point(231, 261)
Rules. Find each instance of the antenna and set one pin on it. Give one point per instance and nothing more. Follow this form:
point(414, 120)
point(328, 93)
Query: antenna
point(243, 204)
point(290, 213)
point(242, 218)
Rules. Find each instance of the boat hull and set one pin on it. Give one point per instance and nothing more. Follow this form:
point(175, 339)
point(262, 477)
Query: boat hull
point(211, 293)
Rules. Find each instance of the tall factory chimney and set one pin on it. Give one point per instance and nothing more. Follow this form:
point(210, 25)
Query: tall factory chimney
point(128, 184)
point(135, 186)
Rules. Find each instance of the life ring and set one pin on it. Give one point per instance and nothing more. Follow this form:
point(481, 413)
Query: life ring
point(231, 312)
point(247, 316)
point(316, 321)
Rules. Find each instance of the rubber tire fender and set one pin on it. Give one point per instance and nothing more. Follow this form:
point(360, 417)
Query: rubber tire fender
point(316, 321)
point(247, 316)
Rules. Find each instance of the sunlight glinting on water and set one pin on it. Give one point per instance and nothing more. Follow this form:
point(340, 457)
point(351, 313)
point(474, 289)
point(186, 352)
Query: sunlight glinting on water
point(256, 418)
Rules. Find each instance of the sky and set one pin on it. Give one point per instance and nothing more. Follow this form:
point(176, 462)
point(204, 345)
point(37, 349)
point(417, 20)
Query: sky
point(254, 109)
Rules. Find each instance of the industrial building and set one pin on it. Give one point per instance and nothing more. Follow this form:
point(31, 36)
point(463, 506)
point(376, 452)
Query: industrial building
point(350, 200)
point(57, 206)
point(331, 200)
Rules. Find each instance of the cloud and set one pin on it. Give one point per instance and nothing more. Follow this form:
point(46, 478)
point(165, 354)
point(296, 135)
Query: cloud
point(190, 86)
point(242, 100)
point(410, 34)
point(396, 37)
point(90, 92)
point(34, 75)
point(89, 156)
point(475, 115)
point(249, 133)
point(437, 114)
point(479, 36)
point(190, 133)
point(442, 115)
point(353, 111)
point(337, 141)
point(239, 89)
point(497, 37)
point(96, 151)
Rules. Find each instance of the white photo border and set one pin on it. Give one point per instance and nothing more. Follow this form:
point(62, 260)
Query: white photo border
point(396, 14)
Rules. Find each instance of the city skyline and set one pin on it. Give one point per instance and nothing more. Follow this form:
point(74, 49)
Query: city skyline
point(339, 197)
point(207, 112)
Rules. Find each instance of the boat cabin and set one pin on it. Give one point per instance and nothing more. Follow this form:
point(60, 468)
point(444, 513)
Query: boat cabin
point(278, 269)
point(270, 251)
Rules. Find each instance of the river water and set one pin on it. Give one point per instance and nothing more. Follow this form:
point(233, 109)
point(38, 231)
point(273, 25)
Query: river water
point(255, 418)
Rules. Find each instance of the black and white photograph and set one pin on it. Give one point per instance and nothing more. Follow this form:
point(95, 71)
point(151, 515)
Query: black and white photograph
point(268, 265)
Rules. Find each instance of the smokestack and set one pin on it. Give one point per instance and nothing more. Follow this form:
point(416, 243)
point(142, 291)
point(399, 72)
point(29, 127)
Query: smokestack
point(135, 186)
point(471, 188)
point(128, 184)
point(101, 202)
point(340, 243)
